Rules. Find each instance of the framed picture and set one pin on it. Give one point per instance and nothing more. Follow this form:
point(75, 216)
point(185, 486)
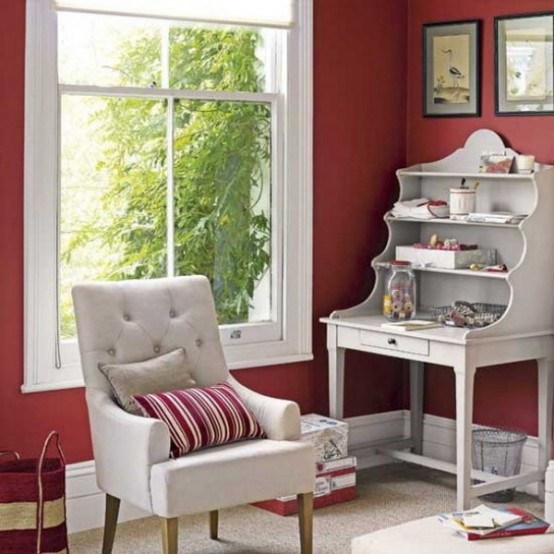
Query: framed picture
point(524, 64)
point(451, 69)
point(495, 163)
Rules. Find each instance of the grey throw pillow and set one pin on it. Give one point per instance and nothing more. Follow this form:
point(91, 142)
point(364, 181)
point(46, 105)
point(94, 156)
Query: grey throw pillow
point(161, 374)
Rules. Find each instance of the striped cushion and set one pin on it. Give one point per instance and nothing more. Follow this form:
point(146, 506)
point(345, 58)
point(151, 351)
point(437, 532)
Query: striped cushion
point(200, 417)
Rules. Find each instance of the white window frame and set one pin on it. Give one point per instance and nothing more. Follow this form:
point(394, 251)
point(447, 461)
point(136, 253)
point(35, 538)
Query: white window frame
point(293, 341)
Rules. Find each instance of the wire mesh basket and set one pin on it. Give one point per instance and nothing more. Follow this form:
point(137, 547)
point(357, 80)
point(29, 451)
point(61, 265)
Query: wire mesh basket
point(470, 315)
point(498, 451)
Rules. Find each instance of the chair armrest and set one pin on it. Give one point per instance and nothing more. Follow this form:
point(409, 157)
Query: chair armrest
point(280, 419)
point(125, 447)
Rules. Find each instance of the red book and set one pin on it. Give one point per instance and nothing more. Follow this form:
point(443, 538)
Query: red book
point(529, 525)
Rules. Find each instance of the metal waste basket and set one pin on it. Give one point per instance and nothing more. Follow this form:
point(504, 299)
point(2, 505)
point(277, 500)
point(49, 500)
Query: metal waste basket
point(498, 451)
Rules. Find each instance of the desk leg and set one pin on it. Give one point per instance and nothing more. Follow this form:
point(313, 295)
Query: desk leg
point(336, 374)
point(465, 378)
point(416, 405)
point(546, 392)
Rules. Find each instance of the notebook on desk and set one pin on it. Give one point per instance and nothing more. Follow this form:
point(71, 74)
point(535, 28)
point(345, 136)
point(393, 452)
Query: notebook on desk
point(411, 325)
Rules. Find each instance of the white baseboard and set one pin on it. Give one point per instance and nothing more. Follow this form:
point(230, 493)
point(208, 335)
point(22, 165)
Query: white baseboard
point(85, 502)
point(366, 432)
point(439, 440)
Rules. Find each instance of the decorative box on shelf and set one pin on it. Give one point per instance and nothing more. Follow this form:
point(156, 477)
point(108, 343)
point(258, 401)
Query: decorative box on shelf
point(446, 259)
point(329, 436)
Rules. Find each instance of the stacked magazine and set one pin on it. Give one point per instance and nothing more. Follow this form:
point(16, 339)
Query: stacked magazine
point(496, 217)
point(489, 523)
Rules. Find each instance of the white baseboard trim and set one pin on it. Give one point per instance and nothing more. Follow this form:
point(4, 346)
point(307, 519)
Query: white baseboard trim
point(85, 502)
point(366, 432)
point(439, 440)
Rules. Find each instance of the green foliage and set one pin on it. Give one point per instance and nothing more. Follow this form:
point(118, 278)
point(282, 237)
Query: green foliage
point(220, 161)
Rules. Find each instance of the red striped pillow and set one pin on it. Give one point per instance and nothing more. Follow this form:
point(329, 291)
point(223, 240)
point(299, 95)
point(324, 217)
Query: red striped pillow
point(200, 417)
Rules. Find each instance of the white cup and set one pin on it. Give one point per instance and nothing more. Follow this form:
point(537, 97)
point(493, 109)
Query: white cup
point(525, 163)
point(462, 201)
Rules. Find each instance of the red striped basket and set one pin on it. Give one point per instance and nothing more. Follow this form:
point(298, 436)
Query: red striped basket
point(32, 503)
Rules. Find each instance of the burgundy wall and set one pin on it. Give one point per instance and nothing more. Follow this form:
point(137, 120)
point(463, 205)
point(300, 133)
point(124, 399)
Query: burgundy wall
point(504, 395)
point(359, 140)
point(363, 81)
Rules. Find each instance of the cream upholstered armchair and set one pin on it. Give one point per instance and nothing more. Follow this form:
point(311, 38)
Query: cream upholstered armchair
point(131, 321)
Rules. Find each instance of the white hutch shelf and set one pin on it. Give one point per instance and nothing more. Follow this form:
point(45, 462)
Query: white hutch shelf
point(525, 331)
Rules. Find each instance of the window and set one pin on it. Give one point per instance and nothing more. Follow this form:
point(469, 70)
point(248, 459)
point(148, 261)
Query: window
point(161, 144)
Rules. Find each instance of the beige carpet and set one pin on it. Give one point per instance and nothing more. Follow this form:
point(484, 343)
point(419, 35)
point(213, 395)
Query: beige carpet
point(388, 495)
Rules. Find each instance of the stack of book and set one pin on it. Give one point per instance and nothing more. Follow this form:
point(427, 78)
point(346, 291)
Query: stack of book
point(496, 217)
point(335, 480)
point(489, 523)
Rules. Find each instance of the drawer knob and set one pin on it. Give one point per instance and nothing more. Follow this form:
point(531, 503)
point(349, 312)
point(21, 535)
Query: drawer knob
point(392, 341)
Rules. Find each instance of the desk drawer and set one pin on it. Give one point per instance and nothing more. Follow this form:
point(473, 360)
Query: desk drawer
point(391, 341)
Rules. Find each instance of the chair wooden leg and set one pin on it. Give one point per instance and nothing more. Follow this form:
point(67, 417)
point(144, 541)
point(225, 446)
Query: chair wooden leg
point(170, 528)
point(305, 520)
point(110, 523)
point(214, 521)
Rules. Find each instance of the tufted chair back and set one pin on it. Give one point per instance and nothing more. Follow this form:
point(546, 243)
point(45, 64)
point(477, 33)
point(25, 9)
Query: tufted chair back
point(131, 321)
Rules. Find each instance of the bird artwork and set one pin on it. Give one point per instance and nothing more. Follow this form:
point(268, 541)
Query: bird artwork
point(451, 78)
point(455, 74)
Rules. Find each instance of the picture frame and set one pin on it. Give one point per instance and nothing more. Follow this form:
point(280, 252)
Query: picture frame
point(524, 64)
point(452, 69)
point(495, 163)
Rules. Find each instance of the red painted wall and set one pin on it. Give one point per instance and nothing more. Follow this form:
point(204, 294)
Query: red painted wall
point(504, 395)
point(363, 82)
point(359, 140)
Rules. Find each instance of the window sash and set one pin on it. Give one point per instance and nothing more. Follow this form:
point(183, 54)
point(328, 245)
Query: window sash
point(231, 334)
point(259, 13)
point(294, 342)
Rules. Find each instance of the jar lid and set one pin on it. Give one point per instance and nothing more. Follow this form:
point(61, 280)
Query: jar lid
point(462, 191)
point(400, 262)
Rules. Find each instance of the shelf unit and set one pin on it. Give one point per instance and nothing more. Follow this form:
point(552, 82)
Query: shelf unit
point(524, 332)
point(525, 248)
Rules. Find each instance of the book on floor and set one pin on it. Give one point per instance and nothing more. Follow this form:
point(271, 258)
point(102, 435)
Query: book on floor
point(488, 523)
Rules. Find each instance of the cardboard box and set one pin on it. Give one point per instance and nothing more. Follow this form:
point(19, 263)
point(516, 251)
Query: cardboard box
point(446, 259)
point(334, 488)
point(322, 468)
point(329, 436)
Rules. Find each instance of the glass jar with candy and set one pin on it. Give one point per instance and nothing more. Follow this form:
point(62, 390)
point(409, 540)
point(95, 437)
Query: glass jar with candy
point(399, 299)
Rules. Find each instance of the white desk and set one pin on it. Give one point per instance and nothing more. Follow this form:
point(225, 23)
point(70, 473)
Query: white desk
point(447, 346)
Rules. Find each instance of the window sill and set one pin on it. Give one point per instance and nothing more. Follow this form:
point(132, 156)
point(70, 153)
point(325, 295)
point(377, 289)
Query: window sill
point(260, 362)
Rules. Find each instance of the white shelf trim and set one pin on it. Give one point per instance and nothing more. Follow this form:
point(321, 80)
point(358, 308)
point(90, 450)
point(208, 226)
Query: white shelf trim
point(467, 272)
point(455, 175)
point(447, 221)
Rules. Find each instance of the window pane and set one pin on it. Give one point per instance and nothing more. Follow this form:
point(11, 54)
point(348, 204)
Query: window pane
point(117, 51)
point(223, 203)
point(109, 51)
point(218, 58)
point(113, 193)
